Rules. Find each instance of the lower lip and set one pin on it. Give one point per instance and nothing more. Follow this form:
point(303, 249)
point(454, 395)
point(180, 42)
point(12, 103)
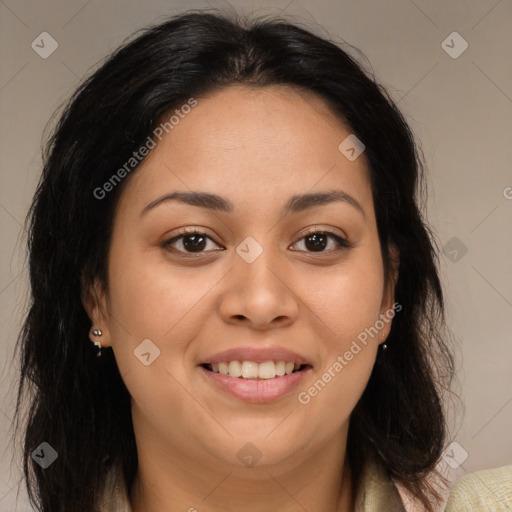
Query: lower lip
point(256, 391)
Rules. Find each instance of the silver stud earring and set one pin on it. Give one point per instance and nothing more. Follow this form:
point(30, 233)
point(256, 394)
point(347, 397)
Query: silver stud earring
point(97, 333)
point(384, 346)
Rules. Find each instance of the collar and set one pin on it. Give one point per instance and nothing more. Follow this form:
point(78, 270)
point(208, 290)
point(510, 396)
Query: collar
point(377, 492)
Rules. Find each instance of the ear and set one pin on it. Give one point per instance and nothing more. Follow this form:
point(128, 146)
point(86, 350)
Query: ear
point(387, 310)
point(94, 300)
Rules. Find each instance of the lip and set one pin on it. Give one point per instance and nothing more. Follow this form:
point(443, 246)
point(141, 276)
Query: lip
point(256, 391)
point(257, 355)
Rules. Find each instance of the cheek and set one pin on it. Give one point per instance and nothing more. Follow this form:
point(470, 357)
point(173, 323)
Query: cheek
point(154, 300)
point(346, 300)
point(346, 366)
point(335, 393)
point(168, 307)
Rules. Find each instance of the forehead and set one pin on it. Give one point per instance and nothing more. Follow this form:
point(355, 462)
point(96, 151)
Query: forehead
point(269, 142)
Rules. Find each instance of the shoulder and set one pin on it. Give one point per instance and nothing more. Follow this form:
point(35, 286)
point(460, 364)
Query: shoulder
point(487, 490)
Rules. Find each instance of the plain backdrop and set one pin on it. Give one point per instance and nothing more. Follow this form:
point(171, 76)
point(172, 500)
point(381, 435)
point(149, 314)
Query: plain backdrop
point(457, 100)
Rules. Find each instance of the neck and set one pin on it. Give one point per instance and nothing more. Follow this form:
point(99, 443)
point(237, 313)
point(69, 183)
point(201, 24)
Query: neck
point(171, 479)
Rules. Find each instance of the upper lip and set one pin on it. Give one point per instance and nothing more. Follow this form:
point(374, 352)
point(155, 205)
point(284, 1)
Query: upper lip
point(257, 355)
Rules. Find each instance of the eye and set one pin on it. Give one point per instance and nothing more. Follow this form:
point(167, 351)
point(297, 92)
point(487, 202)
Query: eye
point(190, 241)
point(193, 241)
point(318, 241)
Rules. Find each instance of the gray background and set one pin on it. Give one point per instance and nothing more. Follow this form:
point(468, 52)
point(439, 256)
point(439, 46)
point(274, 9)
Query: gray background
point(459, 108)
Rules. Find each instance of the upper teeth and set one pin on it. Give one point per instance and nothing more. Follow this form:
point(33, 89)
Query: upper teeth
point(252, 370)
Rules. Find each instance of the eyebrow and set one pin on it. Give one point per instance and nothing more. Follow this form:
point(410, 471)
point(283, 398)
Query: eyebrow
point(295, 204)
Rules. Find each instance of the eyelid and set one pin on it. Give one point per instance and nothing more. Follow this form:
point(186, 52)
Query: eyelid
point(327, 230)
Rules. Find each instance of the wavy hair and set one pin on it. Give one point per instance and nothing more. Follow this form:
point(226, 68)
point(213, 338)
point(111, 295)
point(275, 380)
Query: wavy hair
point(78, 403)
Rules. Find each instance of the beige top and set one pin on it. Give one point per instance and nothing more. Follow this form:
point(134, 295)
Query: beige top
point(484, 491)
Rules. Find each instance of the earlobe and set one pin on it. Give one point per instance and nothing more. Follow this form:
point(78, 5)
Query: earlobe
point(94, 301)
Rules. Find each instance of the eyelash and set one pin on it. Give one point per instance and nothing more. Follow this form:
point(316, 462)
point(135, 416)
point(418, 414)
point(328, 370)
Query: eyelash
point(342, 242)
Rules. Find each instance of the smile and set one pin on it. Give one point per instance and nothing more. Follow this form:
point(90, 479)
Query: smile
point(252, 382)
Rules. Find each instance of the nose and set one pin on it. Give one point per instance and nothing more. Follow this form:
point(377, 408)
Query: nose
point(259, 295)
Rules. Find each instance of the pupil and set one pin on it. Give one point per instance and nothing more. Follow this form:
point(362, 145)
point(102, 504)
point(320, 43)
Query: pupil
point(194, 242)
point(319, 242)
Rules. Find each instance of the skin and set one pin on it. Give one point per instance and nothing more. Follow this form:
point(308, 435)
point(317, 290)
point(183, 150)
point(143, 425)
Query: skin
point(255, 147)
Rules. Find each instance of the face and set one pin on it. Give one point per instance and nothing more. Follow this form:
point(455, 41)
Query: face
point(284, 272)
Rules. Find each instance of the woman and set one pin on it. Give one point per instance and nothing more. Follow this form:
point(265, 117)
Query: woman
point(228, 216)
